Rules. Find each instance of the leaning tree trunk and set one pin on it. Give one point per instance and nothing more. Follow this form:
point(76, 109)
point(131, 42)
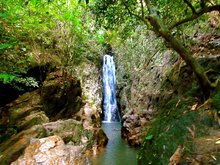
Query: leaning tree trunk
point(186, 55)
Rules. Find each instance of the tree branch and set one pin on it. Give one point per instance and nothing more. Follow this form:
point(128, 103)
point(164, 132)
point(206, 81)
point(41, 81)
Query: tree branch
point(142, 9)
point(131, 13)
point(202, 3)
point(190, 6)
point(196, 15)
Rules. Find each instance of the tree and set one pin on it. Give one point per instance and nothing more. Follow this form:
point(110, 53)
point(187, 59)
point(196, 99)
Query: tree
point(154, 14)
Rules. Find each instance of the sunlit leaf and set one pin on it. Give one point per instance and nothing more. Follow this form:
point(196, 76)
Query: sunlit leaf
point(149, 137)
point(6, 78)
point(5, 46)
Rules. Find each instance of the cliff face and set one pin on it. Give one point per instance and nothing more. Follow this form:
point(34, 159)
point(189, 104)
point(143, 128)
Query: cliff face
point(141, 69)
point(185, 128)
point(90, 78)
point(163, 108)
point(64, 111)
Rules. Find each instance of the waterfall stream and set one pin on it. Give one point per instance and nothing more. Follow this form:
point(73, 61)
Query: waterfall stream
point(110, 108)
point(117, 151)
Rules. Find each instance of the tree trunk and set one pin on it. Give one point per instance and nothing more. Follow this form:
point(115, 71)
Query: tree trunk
point(186, 55)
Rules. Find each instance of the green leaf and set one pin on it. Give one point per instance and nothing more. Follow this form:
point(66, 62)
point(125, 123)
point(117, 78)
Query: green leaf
point(149, 137)
point(87, 1)
point(4, 15)
point(5, 46)
point(6, 78)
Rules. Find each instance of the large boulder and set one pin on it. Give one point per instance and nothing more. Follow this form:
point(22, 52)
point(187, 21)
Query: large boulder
point(51, 150)
point(11, 149)
point(70, 131)
point(24, 112)
point(61, 96)
point(57, 109)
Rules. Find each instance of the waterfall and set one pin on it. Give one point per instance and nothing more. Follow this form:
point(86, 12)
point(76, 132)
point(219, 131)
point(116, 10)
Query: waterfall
point(110, 108)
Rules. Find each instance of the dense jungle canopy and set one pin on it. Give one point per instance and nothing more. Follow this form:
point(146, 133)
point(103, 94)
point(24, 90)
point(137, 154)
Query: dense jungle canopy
point(72, 28)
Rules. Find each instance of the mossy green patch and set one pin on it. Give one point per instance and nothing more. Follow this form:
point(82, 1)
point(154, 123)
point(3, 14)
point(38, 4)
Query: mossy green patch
point(170, 129)
point(215, 100)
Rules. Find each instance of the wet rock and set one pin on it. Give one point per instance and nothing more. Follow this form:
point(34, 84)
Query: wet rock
point(73, 132)
point(51, 150)
point(34, 118)
point(100, 138)
point(91, 116)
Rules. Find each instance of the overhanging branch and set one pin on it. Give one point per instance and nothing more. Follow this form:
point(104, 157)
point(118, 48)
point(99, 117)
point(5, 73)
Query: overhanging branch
point(142, 9)
point(196, 15)
point(131, 13)
point(190, 6)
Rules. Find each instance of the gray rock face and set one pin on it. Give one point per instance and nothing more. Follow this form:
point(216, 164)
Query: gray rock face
point(139, 85)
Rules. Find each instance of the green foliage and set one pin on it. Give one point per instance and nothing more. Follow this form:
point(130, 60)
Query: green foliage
point(5, 46)
point(112, 15)
point(27, 81)
point(215, 100)
point(170, 129)
point(18, 82)
point(6, 78)
point(37, 29)
point(193, 92)
point(100, 37)
point(148, 137)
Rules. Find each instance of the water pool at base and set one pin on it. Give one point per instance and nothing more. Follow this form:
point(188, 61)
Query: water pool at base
point(117, 151)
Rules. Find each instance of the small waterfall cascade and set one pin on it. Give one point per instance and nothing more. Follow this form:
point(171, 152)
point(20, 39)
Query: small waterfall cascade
point(110, 108)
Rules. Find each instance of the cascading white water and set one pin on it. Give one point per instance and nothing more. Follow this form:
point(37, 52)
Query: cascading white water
point(110, 108)
point(111, 123)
